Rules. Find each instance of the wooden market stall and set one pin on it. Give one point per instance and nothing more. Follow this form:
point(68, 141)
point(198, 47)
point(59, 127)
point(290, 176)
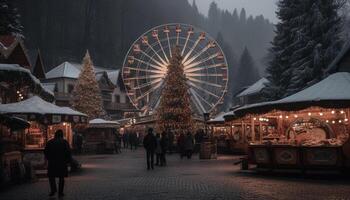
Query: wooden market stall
point(307, 130)
point(45, 119)
point(100, 136)
point(12, 168)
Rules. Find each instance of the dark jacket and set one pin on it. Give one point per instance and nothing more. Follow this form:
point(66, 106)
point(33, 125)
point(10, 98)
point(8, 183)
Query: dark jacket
point(150, 142)
point(58, 154)
point(164, 143)
point(189, 142)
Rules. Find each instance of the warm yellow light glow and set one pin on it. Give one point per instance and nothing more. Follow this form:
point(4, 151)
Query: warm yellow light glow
point(342, 112)
point(287, 117)
point(333, 122)
point(340, 121)
point(254, 118)
point(281, 116)
point(327, 121)
point(333, 111)
point(295, 116)
point(346, 120)
point(309, 114)
point(321, 114)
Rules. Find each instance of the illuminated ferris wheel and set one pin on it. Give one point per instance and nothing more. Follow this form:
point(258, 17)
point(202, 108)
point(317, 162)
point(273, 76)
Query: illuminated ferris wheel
point(205, 67)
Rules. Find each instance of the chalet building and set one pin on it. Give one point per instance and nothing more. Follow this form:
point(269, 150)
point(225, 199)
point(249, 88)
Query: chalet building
point(17, 81)
point(61, 80)
point(252, 94)
point(12, 51)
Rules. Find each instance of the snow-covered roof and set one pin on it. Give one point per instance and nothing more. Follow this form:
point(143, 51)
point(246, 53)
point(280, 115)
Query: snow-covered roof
point(336, 87)
point(219, 118)
point(102, 121)
point(72, 70)
point(36, 105)
point(17, 68)
point(113, 76)
point(64, 70)
point(255, 88)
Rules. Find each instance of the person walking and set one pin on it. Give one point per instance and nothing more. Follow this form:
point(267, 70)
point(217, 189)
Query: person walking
point(118, 141)
point(150, 143)
point(158, 150)
point(125, 140)
point(164, 146)
point(189, 145)
point(58, 154)
point(181, 144)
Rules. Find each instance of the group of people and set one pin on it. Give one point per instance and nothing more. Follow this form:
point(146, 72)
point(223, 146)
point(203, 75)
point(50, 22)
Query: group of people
point(160, 144)
point(130, 139)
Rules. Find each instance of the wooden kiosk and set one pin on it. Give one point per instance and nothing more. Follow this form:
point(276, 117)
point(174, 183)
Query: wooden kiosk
point(307, 130)
point(45, 119)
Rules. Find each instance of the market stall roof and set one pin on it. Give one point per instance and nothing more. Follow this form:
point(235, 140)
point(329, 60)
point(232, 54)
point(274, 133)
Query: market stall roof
point(14, 123)
point(36, 105)
point(101, 123)
point(332, 92)
point(218, 119)
point(11, 71)
point(255, 88)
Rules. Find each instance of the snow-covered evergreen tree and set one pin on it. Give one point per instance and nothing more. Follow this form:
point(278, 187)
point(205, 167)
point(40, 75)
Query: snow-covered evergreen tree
point(9, 19)
point(86, 96)
point(279, 66)
point(307, 40)
point(317, 43)
point(247, 73)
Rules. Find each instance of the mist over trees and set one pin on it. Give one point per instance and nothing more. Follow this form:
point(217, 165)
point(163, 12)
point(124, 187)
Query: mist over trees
point(64, 29)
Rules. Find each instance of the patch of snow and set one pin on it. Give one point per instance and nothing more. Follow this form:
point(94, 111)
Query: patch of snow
point(102, 121)
point(255, 88)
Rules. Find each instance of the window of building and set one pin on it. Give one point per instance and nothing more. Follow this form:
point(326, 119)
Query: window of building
point(70, 88)
point(116, 98)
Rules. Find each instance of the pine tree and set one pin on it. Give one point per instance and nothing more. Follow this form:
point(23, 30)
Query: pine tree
point(86, 96)
point(9, 19)
point(279, 70)
point(174, 111)
point(247, 73)
point(317, 43)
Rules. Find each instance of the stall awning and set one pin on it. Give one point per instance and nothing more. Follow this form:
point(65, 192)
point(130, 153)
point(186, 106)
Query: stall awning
point(101, 123)
point(219, 119)
point(37, 106)
point(332, 92)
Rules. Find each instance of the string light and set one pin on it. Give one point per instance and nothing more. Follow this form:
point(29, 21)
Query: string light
point(346, 119)
point(321, 114)
point(333, 122)
point(309, 114)
point(342, 112)
point(287, 117)
point(281, 116)
point(340, 121)
point(327, 121)
point(296, 116)
point(333, 111)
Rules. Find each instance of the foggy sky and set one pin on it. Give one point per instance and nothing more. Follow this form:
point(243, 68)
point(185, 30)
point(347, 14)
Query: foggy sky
point(253, 7)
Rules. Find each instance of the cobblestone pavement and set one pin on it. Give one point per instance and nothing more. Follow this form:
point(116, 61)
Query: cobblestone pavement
point(124, 176)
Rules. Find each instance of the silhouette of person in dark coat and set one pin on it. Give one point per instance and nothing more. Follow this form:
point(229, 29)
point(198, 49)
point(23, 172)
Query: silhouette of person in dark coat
point(150, 144)
point(58, 154)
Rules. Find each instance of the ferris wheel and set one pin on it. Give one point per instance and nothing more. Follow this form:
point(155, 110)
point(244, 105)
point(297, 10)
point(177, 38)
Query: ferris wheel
point(205, 67)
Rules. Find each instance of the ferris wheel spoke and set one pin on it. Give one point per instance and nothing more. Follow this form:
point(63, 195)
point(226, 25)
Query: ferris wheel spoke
point(151, 65)
point(146, 77)
point(201, 74)
point(146, 70)
point(202, 99)
point(155, 52)
point(202, 89)
point(196, 101)
point(161, 47)
point(167, 35)
point(161, 65)
point(191, 50)
point(201, 61)
point(199, 68)
point(148, 84)
point(204, 82)
point(189, 61)
point(159, 83)
point(184, 48)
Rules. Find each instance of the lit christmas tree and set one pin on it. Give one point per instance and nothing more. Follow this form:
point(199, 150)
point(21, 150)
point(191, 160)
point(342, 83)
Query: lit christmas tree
point(86, 94)
point(174, 111)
